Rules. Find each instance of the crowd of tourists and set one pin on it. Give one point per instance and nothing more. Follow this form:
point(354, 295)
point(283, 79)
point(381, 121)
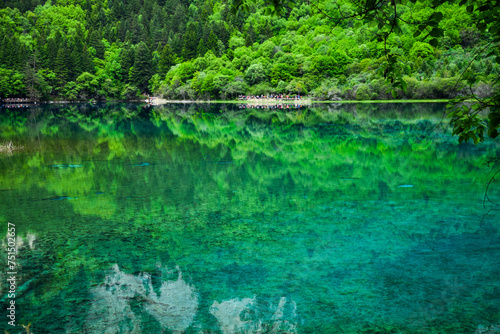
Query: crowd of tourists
point(15, 100)
point(270, 96)
point(271, 106)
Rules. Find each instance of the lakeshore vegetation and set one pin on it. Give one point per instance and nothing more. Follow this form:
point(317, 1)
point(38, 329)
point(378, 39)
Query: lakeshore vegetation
point(183, 49)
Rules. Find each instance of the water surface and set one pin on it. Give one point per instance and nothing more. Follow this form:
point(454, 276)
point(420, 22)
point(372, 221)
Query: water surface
point(214, 219)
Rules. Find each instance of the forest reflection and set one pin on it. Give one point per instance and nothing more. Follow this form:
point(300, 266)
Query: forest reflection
point(346, 150)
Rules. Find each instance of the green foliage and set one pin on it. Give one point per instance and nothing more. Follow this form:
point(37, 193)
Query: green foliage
point(363, 92)
point(267, 48)
point(422, 50)
point(236, 88)
point(88, 85)
point(236, 42)
point(325, 66)
point(255, 74)
point(130, 92)
point(11, 83)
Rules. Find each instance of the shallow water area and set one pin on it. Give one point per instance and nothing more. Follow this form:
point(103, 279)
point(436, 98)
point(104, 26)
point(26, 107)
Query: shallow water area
point(216, 219)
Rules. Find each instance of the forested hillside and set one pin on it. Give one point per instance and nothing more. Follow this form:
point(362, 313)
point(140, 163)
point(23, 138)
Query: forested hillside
point(183, 49)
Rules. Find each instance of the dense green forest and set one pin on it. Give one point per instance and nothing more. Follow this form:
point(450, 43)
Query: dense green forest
point(184, 49)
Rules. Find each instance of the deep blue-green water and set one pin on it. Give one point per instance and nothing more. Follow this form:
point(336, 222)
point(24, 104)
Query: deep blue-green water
point(215, 219)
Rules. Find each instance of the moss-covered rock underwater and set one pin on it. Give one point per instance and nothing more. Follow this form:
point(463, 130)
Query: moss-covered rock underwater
point(345, 219)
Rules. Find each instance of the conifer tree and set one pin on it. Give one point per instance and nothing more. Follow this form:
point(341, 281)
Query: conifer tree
point(141, 71)
point(201, 49)
point(88, 13)
point(76, 63)
point(133, 6)
point(101, 17)
point(205, 33)
point(176, 44)
point(31, 79)
point(159, 49)
point(167, 60)
point(179, 18)
point(16, 53)
point(127, 61)
point(200, 27)
point(96, 42)
point(221, 49)
point(40, 49)
point(51, 52)
point(250, 36)
point(155, 30)
point(61, 67)
point(134, 29)
point(224, 13)
point(87, 64)
point(118, 10)
point(190, 42)
point(204, 15)
point(3, 49)
point(121, 30)
point(212, 42)
point(77, 53)
point(266, 31)
point(223, 34)
point(6, 48)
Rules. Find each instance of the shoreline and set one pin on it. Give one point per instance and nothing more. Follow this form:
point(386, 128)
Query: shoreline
point(159, 101)
point(291, 101)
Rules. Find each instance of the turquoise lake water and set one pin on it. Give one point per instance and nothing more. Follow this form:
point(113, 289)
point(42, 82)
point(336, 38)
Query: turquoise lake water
point(215, 219)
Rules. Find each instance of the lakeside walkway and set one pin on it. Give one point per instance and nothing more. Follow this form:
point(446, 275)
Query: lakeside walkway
point(269, 101)
point(274, 99)
point(17, 100)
